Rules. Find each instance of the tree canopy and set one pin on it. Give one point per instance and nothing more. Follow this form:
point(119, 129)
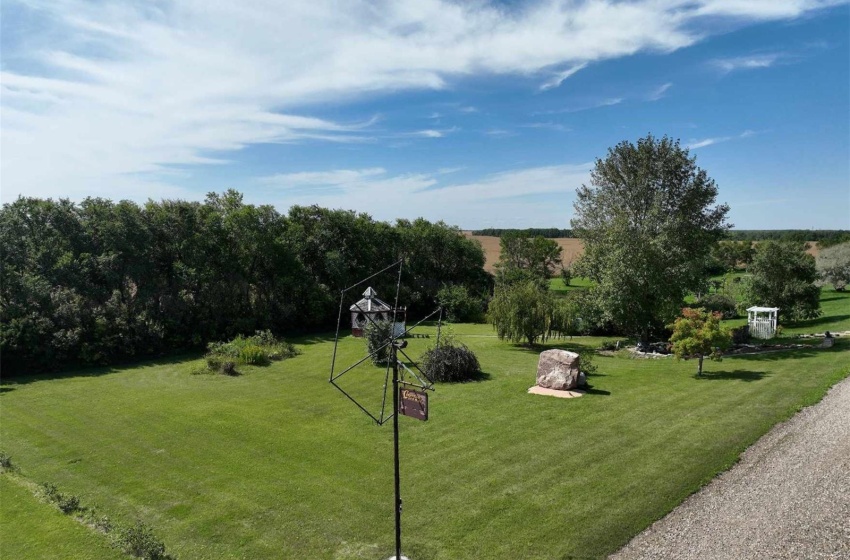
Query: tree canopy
point(536, 255)
point(699, 334)
point(102, 281)
point(784, 276)
point(648, 221)
point(833, 264)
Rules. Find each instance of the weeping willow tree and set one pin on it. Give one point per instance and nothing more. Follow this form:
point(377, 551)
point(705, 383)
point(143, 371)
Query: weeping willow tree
point(521, 312)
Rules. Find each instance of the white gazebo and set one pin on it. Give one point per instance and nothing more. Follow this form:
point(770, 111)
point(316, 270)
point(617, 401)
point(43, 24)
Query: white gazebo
point(377, 310)
point(762, 321)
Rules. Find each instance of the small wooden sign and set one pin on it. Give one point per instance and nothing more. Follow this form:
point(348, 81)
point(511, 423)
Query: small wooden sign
point(413, 403)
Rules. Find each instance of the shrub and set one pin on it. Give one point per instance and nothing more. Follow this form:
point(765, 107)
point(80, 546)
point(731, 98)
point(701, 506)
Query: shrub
point(740, 335)
point(586, 356)
point(459, 305)
point(720, 303)
point(229, 368)
point(253, 355)
point(6, 461)
point(139, 541)
point(376, 335)
point(50, 492)
point(68, 504)
point(258, 349)
point(450, 361)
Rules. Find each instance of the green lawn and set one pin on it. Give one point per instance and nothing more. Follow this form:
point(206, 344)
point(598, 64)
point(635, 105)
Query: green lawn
point(557, 287)
point(278, 464)
point(36, 530)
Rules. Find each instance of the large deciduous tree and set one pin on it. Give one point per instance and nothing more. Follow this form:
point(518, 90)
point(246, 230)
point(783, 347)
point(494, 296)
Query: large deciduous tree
point(521, 312)
point(536, 255)
point(784, 276)
point(833, 264)
point(648, 221)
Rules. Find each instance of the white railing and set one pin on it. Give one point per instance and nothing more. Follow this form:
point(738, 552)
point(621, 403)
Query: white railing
point(762, 328)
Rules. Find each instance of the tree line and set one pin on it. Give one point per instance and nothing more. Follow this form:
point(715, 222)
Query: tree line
point(548, 233)
point(102, 281)
point(823, 237)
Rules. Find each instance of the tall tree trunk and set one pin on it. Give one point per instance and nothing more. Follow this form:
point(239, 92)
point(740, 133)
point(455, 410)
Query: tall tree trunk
point(699, 371)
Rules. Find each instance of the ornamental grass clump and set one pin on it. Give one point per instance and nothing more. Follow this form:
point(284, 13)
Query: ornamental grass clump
point(257, 350)
point(450, 361)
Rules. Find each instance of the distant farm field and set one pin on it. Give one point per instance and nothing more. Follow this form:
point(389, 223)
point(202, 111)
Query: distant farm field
point(572, 248)
point(276, 463)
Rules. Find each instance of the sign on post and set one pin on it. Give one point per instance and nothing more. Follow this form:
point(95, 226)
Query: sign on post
point(413, 403)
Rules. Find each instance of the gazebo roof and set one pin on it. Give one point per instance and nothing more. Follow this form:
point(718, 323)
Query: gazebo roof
point(756, 308)
point(370, 302)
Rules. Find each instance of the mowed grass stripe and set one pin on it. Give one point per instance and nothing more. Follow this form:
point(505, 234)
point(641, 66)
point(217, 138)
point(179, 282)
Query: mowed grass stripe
point(276, 463)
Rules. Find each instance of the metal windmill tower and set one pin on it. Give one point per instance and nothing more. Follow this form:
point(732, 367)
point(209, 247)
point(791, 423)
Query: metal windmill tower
point(409, 396)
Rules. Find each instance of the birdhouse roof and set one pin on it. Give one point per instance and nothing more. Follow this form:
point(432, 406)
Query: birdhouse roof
point(370, 302)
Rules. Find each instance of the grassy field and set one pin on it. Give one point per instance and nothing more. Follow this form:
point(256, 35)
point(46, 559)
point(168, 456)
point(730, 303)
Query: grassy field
point(35, 530)
point(276, 463)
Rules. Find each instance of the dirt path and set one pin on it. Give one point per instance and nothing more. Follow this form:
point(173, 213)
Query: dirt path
point(788, 497)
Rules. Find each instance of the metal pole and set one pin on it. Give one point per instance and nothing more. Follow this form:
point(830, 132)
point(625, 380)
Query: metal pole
point(395, 450)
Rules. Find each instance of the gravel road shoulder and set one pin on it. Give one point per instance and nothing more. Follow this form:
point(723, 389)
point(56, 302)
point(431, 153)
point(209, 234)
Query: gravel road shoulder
point(788, 497)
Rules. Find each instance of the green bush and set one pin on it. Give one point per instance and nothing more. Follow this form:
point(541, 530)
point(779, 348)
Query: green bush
point(459, 305)
point(450, 361)
point(376, 335)
point(6, 461)
point(259, 349)
point(68, 504)
point(229, 368)
point(139, 541)
point(720, 303)
point(50, 492)
point(253, 355)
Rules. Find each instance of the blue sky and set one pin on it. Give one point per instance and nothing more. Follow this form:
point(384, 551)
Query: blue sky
point(477, 113)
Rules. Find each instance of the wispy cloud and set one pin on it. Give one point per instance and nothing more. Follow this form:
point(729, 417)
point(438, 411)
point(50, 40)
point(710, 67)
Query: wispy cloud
point(750, 62)
point(607, 102)
point(499, 133)
point(559, 78)
point(702, 143)
point(108, 96)
point(430, 132)
point(548, 125)
point(659, 92)
point(429, 194)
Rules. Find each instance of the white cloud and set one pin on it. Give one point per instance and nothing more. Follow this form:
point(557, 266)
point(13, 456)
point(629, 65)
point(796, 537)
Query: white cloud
point(548, 125)
point(751, 62)
point(107, 96)
point(430, 133)
point(695, 144)
point(496, 197)
point(558, 78)
point(659, 92)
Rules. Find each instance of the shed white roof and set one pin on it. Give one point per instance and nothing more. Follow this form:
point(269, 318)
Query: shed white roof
point(765, 309)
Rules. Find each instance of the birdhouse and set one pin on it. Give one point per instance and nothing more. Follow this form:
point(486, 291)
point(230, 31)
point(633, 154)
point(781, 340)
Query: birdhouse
point(371, 307)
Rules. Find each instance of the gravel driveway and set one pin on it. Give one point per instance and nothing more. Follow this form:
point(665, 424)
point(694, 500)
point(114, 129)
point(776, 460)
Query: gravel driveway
point(788, 497)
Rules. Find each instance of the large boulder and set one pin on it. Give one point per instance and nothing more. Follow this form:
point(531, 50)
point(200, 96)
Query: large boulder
point(559, 369)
